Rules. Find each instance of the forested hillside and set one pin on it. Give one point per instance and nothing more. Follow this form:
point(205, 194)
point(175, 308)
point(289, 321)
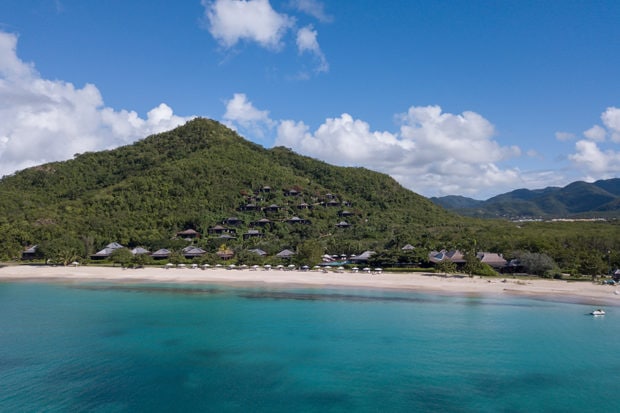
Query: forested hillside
point(203, 175)
point(195, 177)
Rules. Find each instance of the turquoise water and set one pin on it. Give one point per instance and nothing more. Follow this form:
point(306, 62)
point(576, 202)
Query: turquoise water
point(161, 348)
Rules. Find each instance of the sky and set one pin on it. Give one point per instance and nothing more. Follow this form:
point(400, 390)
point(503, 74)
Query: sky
point(472, 98)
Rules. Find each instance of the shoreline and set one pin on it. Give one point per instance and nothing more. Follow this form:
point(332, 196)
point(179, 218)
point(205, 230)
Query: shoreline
point(549, 290)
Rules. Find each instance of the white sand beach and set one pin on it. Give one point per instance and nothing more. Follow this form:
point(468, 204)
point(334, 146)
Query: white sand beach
point(580, 292)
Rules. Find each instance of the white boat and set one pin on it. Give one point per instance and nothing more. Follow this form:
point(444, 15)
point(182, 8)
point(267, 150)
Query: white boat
point(598, 312)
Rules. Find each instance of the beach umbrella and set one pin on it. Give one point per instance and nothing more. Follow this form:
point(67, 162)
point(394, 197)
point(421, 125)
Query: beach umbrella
point(181, 266)
point(205, 266)
point(366, 269)
point(231, 266)
point(267, 267)
point(305, 268)
point(280, 267)
point(218, 265)
point(194, 266)
point(378, 269)
point(291, 266)
point(355, 269)
point(169, 265)
point(254, 267)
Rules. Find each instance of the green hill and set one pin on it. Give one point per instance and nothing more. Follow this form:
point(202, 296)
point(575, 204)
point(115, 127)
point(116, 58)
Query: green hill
point(196, 177)
point(203, 176)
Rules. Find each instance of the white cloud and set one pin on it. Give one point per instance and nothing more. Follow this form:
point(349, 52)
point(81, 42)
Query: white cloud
point(596, 157)
point(306, 42)
point(611, 119)
point(231, 21)
point(313, 8)
point(596, 133)
point(600, 164)
point(234, 21)
point(564, 136)
point(434, 153)
point(240, 112)
point(43, 120)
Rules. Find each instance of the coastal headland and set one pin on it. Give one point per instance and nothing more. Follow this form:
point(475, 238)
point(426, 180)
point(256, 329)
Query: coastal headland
point(554, 290)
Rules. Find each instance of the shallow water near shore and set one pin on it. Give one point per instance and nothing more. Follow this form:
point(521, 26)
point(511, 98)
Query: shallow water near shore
point(152, 347)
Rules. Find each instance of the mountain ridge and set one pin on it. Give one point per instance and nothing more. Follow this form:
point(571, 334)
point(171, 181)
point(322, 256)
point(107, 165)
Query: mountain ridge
point(576, 200)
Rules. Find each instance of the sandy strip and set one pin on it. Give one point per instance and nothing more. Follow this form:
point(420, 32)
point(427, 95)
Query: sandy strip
point(557, 290)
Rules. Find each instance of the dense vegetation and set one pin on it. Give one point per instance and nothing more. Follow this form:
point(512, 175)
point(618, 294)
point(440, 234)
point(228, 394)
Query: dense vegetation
point(199, 175)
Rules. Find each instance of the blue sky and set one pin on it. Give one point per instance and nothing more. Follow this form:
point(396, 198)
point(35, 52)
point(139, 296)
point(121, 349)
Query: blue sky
point(469, 98)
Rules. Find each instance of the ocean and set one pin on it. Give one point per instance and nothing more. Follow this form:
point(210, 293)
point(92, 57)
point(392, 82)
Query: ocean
point(102, 347)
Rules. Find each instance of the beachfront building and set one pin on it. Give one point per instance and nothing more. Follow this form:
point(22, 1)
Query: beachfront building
point(193, 252)
point(107, 251)
point(454, 256)
point(161, 254)
point(362, 258)
point(496, 261)
point(285, 254)
point(258, 252)
point(225, 254)
point(30, 253)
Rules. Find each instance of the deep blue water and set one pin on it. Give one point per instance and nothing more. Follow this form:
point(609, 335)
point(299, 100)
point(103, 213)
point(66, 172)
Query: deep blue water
point(162, 348)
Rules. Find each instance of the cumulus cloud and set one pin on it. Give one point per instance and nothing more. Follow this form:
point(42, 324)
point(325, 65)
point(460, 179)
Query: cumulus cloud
point(241, 114)
point(595, 156)
point(433, 153)
point(599, 163)
point(231, 21)
point(596, 133)
point(611, 120)
point(47, 120)
point(306, 42)
point(313, 8)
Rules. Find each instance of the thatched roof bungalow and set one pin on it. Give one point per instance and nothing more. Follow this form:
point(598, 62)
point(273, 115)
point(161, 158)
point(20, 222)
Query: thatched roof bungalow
point(188, 234)
point(193, 252)
point(161, 254)
point(285, 254)
point(253, 233)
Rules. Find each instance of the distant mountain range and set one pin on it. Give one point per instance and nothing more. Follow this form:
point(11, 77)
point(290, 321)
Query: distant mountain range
point(576, 200)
